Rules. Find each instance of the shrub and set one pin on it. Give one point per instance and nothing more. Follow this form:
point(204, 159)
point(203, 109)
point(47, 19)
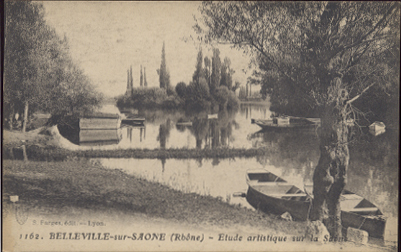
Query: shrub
point(221, 96)
point(233, 101)
point(181, 90)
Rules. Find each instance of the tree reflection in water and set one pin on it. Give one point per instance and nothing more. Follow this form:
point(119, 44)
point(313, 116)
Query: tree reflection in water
point(373, 168)
point(164, 133)
point(215, 132)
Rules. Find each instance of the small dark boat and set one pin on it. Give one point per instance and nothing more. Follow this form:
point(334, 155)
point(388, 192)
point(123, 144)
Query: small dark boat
point(287, 122)
point(184, 124)
point(273, 194)
point(133, 120)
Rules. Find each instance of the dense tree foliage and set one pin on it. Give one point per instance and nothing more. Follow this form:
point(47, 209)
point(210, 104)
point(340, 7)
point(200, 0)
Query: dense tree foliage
point(39, 73)
point(206, 89)
point(181, 89)
point(147, 98)
point(203, 93)
point(319, 57)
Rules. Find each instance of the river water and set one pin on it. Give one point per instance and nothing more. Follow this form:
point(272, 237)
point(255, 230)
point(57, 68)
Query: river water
point(373, 169)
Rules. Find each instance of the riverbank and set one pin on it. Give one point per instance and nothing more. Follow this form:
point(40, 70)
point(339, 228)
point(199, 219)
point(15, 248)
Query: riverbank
point(51, 188)
point(48, 145)
point(88, 185)
point(57, 195)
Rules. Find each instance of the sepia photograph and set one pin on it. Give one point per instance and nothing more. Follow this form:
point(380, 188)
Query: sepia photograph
point(200, 126)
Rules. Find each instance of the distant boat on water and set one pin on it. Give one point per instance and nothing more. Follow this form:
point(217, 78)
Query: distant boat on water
point(184, 123)
point(133, 120)
point(287, 122)
point(100, 121)
point(212, 116)
point(377, 126)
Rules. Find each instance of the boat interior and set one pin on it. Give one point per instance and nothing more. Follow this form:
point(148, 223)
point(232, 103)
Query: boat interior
point(274, 186)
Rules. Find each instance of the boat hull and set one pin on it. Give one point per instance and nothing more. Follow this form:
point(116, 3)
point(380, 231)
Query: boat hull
point(289, 122)
point(284, 127)
point(299, 210)
point(133, 121)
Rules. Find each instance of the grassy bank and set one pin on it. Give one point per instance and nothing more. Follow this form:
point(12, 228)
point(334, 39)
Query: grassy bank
point(87, 185)
point(51, 153)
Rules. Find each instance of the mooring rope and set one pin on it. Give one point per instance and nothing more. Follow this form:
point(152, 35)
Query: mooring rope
point(363, 222)
point(310, 202)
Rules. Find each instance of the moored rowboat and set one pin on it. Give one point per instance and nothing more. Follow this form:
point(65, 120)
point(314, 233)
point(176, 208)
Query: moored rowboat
point(97, 121)
point(273, 194)
point(288, 122)
point(133, 121)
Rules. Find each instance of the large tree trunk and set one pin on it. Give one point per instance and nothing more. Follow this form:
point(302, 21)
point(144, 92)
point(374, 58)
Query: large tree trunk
point(329, 177)
point(25, 116)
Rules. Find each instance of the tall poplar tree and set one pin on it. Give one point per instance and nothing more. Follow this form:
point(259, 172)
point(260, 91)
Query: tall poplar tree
point(141, 78)
point(216, 68)
point(198, 69)
point(131, 79)
point(128, 83)
point(145, 82)
point(164, 76)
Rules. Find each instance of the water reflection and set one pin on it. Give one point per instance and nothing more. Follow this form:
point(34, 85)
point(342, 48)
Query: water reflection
point(181, 129)
point(260, 111)
point(223, 177)
point(164, 133)
point(99, 137)
point(131, 132)
point(293, 155)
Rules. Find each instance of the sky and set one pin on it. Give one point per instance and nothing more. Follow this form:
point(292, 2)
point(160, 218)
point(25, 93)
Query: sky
point(106, 38)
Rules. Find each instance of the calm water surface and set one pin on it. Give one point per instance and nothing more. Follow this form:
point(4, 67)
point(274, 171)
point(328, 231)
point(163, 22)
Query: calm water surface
point(373, 170)
point(160, 130)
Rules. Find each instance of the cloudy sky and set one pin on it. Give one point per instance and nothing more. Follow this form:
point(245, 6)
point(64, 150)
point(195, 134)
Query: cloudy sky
point(105, 38)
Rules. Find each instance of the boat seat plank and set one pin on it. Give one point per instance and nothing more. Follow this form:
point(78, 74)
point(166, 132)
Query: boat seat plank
point(365, 209)
point(350, 197)
point(287, 194)
point(273, 183)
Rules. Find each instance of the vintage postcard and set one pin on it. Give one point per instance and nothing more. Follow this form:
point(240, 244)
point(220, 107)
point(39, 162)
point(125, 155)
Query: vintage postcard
point(200, 126)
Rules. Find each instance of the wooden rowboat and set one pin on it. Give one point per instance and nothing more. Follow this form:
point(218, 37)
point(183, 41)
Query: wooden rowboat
point(273, 194)
point(96, 137)
point(133, 120)
point(98, 121)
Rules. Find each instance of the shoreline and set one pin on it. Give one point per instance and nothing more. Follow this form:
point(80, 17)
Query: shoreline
point(83, 184)
point(46, 144)
point(77, 183)
point(73, 191)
